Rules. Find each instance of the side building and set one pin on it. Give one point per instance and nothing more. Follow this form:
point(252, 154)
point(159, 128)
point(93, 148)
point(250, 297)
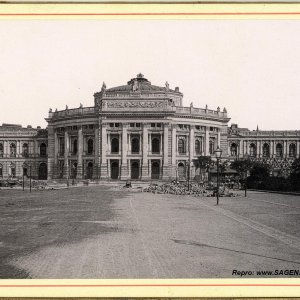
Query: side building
point(277, 148)
point(23, 150)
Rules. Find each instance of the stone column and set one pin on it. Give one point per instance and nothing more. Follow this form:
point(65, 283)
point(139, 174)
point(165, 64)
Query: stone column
point(55, 153)
point(166, 171)
point(103, 167)
point(206, 141)
point(191, 152)
point(66, 156)
point(145, 174)
point(245, 147)
point(124, 168)
point(96, 161)
point(272, 148)
point(192, 143)
point(79, 154)
point(219, 137)
point(258, 149)
point(51, 154)
point(174, 151)
point(5, 150)
point(36, 149)
point(284, 148)
point(18, 151)
point(240, 149)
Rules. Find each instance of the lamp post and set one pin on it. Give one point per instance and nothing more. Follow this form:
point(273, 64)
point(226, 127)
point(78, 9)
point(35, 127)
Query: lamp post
point(23, 186)
point(246, 157)
point(30, 178)
point(188, 174)
point(218, 153)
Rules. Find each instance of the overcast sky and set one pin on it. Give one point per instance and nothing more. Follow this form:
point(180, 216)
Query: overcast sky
point(250, 67)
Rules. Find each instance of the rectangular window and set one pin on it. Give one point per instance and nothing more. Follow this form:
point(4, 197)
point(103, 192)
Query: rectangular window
point(158, 124)
point(138, 124)
point(131, 124)
point(152, 124)
point(117, 124)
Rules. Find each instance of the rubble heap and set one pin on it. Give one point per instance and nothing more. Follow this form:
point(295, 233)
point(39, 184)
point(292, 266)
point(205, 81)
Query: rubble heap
point(183, 188)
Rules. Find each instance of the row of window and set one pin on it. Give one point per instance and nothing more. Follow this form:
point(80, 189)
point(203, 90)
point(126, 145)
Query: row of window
point(74, 146)
point(75, 127)
point(135, 146)
point(25, 150)
point(42, 171)
point(265, 150)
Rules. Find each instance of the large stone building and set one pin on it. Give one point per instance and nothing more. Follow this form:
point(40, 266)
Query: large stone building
point(135, 131)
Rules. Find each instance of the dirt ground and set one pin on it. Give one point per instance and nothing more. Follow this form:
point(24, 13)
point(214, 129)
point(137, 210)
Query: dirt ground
point(104, 232)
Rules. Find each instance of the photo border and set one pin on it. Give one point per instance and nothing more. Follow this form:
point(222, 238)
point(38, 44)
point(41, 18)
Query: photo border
point(276, 287)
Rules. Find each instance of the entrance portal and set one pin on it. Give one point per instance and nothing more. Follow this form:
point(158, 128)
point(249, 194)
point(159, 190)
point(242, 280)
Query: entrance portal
point(89, 170)
point(114, 170)
point(43, 171)
point(135, 170)
point(181, 171)
point(155, 170)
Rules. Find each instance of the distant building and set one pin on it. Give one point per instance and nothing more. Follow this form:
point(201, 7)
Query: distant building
point(21, 148)
point(135, 131)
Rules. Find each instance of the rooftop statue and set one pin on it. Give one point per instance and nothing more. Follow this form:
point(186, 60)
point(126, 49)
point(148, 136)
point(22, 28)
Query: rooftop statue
point(135, 85)
point(167, 86)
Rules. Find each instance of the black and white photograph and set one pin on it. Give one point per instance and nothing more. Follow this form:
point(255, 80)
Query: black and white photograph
point(149, 149)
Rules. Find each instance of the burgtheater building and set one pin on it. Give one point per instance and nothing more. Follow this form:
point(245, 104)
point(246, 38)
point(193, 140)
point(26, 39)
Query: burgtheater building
point(136, 131)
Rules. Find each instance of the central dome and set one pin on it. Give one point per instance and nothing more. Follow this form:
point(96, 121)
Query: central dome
point(139, 84)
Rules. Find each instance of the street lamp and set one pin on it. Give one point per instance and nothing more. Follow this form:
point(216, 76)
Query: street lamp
point(218, 153)
point(246, 157)
point(188, 174)
point(30, 178)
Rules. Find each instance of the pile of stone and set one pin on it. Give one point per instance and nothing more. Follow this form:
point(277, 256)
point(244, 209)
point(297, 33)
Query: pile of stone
point(177, 188)
point(183, 188)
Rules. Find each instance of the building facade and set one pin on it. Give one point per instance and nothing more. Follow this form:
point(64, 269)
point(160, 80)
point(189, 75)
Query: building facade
point(136, 131)
point(23, 150)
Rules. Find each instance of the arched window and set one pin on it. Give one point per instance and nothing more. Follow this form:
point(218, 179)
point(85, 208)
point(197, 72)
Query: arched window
point(25, 150)
point(74, 170)
point(75, 147)
point(181, 171)
point(198, 147)
point(181, 146)
point(90, 147)
point(115, 145)
point(252, 150)
point(233, 149)
point(292, 150)
point(42, 175)
point(12, 170)
point(43, 149)
point(211, 146)
point(89, 170)
point(279, 151)
point(155, 145)
point(1, 150)
point(266, 150)
point(61, 146)
point(1, 171)
point(61, 168)
point(135, 145)
point(12, 149)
